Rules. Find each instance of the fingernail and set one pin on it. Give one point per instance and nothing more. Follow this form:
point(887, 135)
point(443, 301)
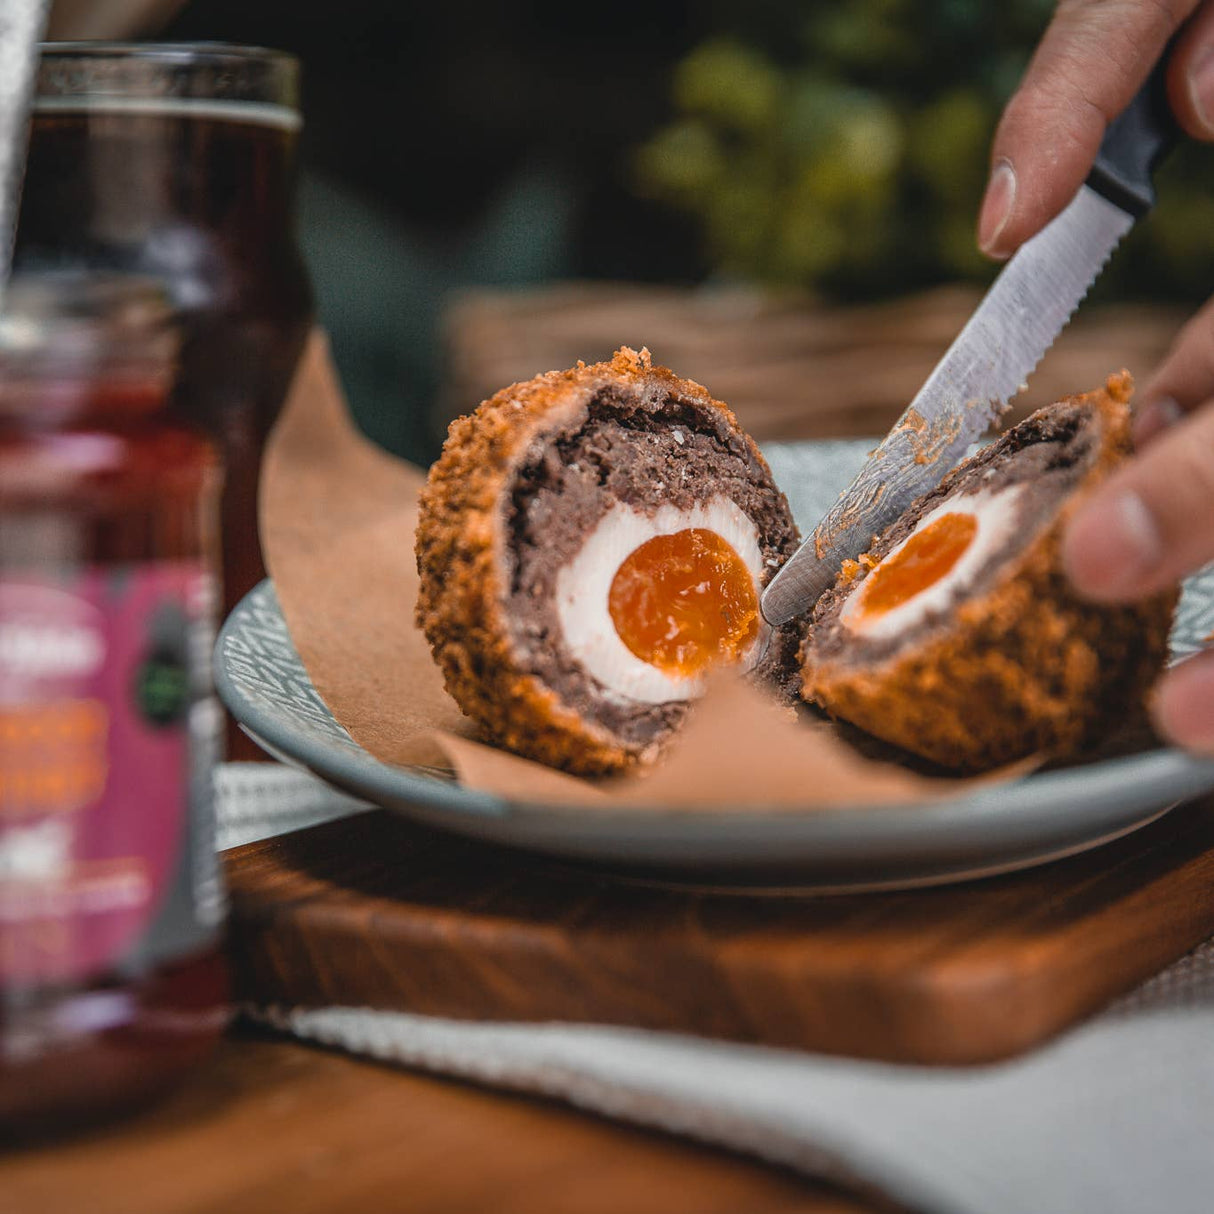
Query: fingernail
point(1157, 415)
point(1201, 89)
point(1184, 707)
point(996, 207)
point(1111, 546)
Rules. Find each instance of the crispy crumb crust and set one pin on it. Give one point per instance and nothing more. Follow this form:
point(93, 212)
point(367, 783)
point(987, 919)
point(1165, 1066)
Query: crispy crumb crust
point(462, 538)
point(1027, 668)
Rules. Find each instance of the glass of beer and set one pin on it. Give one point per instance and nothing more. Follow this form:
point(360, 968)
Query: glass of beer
point(176, 161)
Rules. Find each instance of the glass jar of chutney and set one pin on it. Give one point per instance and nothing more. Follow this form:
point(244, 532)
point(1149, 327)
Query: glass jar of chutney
point(111, 981)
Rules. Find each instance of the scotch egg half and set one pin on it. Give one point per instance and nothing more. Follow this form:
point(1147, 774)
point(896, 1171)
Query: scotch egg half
point(957, 636)
point(590, 544)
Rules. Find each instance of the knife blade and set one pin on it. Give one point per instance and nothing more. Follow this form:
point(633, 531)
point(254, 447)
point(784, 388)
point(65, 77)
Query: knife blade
point(1025, 309)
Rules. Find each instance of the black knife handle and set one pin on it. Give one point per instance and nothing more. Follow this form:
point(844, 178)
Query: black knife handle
point(1136, 141)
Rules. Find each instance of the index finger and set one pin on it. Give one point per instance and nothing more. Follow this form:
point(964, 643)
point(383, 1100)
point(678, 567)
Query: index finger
point(1093, 58)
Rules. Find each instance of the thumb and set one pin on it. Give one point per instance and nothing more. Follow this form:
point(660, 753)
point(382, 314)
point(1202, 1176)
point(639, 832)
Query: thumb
point(1151, 522)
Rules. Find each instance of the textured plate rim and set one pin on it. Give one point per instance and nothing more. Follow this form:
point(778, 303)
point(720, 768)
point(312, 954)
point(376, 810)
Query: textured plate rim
point(918, 831)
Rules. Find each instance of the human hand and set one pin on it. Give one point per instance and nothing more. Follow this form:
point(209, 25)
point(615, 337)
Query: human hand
point(1093, 58)
point(1153, 521)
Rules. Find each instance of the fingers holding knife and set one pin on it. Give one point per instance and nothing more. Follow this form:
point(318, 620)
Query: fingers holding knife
point(1095, 55)
point(1153, 521)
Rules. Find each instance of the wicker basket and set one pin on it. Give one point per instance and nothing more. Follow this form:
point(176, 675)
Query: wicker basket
point(789, 367)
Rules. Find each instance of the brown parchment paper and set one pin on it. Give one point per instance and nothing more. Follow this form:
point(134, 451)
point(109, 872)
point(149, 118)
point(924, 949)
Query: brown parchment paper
point(337, 522)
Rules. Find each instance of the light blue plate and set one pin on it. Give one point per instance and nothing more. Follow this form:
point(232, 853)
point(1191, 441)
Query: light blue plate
point(1037, 819)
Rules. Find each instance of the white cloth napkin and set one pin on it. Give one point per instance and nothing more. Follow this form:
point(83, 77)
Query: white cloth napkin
point(1115, 1117)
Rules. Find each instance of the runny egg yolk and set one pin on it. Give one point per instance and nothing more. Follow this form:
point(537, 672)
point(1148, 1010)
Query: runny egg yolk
point(922, 561)
point(684, 602)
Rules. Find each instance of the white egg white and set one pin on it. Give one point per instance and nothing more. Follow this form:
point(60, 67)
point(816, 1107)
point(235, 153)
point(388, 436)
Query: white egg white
point(997, 517)
point(584, 584)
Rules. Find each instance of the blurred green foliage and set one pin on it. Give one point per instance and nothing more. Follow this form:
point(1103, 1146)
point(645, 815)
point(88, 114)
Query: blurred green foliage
point(844, 146)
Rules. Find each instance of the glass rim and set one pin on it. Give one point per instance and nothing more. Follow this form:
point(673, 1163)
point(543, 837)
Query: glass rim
point(132, 74)
point(179, 53)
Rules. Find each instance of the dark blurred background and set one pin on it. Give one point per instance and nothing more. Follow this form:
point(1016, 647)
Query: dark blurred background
point(823, 155)
point(463, 143)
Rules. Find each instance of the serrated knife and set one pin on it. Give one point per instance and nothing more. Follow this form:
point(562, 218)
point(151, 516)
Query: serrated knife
point(1016, 322)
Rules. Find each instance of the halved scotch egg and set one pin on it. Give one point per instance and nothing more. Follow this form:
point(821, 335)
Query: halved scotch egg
point(957, 636)
point(590, 544)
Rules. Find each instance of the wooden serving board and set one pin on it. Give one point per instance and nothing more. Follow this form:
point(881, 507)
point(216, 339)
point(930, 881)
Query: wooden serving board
point(376, 911)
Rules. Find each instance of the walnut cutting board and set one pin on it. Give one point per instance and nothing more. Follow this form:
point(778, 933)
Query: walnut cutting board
point(377, 911)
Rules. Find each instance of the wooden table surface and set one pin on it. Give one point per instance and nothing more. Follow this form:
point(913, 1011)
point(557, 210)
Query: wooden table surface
point(272, 1125)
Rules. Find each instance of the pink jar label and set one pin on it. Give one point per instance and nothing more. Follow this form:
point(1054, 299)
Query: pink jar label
point(103, 700)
